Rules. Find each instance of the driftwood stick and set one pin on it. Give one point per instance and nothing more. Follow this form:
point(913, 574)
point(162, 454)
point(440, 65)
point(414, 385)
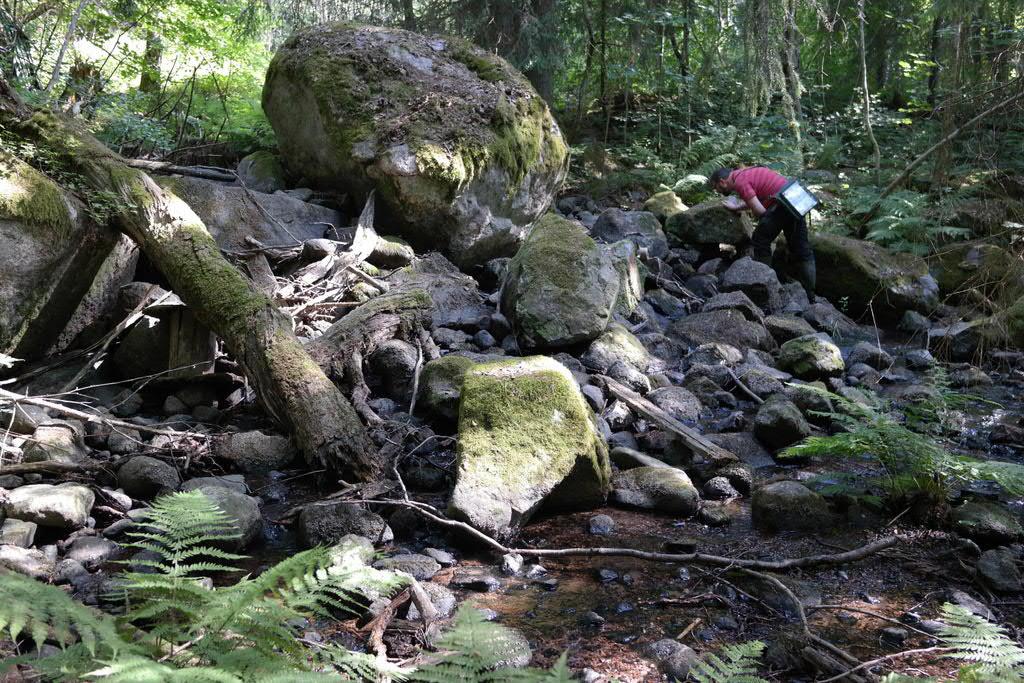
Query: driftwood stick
point(690, 438)
point(168, 168)
point(697, 558)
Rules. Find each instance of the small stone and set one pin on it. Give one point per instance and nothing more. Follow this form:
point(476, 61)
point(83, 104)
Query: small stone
point(548, 584)
point(595, 397)
point(441, 598)
point(143, 477)
point(484, 340)
point(592, 619)
point(69, 571)
point(536, 571)
point(715, 515)
point(601, 525)
point(605, 575)
point(174, 406)
point(672, 657)
point(624, 607)
point(894, 635)
point(27, 561)
point(512, 564)
point(256, 452)
point(789, 506)
point(66, 506)
point(420, 567)
point(443, 557)
point(123, 441)
point(475, 579)
point(998, 569)
point(719, 488)
point(919, 359)
point(91, 551)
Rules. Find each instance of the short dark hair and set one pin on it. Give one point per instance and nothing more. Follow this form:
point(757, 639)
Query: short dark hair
point(719, 175)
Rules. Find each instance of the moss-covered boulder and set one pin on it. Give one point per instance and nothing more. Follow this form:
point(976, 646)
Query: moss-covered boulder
point(616, 344)
point(864, 274)
point(724, 326)
point(709, 223)
point(789, 506)
point(463, 153)
point(693, 188)
point(811, 357)
point(977, 272)
point(665, 489)
point(640, 227)
point(561, 287)
point(987, 522)
point(262, 172)
point(779, 423)
point(664, 205)
point(52, 255)
point(526, 437)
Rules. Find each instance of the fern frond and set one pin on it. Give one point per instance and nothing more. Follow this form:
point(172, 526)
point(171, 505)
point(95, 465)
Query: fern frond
point(46, 612)
point(984, 644)
point(737, 664)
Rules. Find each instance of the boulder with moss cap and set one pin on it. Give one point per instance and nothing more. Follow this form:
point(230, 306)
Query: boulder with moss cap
point(51, 252)
point(561, 287)
point(526, 438)
point(356, 107)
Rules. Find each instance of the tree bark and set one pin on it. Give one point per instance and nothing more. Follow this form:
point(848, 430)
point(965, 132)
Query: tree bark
point(149, 79)
point(876, 154)
point(290, 385)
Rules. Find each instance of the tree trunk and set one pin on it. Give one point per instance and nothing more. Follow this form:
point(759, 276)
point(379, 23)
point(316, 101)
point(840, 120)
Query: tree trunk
point(876, 154)
point(149, 80)
point(291, 386)
point(933, 71)
point(68, 37)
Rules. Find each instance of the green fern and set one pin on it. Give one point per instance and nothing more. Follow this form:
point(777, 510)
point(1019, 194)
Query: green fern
point(993, 656)
point(736, 664)
point(478, 651)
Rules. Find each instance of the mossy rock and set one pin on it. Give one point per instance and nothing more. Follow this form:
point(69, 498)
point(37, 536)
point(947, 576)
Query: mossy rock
point(724, 326)
point(616, 344)
point(51, 254)
point(709, 223)
point(664, 205)
point(262, 172)
point(987, 522)
point(789, 506)
point(561, 287)
point(526, 438)
point(864, 275)
point(665, 489)
point(693, 189)
point(811, 357)
point(977, 272)
point(441, 385)
point(463, 153)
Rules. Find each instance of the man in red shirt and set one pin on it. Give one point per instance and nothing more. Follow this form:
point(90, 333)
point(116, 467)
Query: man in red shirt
point(756, 187)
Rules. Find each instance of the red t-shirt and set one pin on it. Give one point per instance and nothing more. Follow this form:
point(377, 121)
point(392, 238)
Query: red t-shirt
point(760, 182)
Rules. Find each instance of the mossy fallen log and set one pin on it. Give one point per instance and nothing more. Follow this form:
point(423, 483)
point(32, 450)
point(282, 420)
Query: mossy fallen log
point(290, 384)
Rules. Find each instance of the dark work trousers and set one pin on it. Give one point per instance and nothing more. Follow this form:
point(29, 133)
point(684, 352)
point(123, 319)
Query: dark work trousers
point(778, 220)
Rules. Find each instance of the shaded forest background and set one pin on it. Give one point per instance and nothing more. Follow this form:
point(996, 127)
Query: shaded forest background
point(647, 91)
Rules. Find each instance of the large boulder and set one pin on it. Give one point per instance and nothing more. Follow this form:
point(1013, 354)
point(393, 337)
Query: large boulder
point(789, 506)
point(243, 513)
point(51, 252)
point(526, 436)
point(779, 423)
point(665, 489)
point(616, 344)
point(640, 227)
point(709, 224)
point(356, 107)
point(865, 274)
point(977, 272)
point(455, 295)
point(664, 205)
point(231, 213)
point(724, 326)
point(755, 279)
point(561, 287)
point(262, 172)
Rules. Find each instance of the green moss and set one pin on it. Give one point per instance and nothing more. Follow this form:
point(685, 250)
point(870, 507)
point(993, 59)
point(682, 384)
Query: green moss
point(29, 197)
point(566, 248)
point(486, 66)
point(520, 420)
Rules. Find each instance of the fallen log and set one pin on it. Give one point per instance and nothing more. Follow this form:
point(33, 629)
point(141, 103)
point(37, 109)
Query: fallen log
point(168, 168)
point(690, 438)
point(292, 388)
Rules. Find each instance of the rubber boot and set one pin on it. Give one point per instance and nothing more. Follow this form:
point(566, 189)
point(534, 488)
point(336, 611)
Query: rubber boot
point(807, 275)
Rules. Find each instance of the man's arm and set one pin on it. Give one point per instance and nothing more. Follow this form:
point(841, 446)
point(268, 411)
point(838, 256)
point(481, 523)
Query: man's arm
point(755, 205)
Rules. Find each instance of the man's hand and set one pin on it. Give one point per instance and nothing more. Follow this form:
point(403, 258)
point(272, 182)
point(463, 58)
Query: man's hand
point(734, 204)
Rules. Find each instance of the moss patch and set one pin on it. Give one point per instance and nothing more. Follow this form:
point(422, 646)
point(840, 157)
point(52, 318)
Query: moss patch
point(27, 196)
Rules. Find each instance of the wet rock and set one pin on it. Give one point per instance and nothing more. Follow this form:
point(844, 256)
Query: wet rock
point(332, 131)
point(738, 300)
point(725, 326)
point(719, 488)
point(871, 355)
point(235, 482)
point(91, 551)
point(789, 506)
point(560, 288)
point(664, 205)
point(143, 477)
point(997, 569)
point(420, 567)
point(969, 378)
point(709, 224)
point(326, 522)
point(971, 604)
point(663, 489)
point(476, 579)
point(18, 532)
point(678, 402)
point(640, 227)
point(600, 525)
point(755, 279)
point(865, 274)
point(986, 522)
point(525, 433)
point(443, 557)
point(62, 506)
point(715, 514)
point(811, 357)
point(616, 344)
point(27, 561)
point(511, 564)
point(672, 657)
point(779, 423)
point(243, 512)
point(256, 452)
